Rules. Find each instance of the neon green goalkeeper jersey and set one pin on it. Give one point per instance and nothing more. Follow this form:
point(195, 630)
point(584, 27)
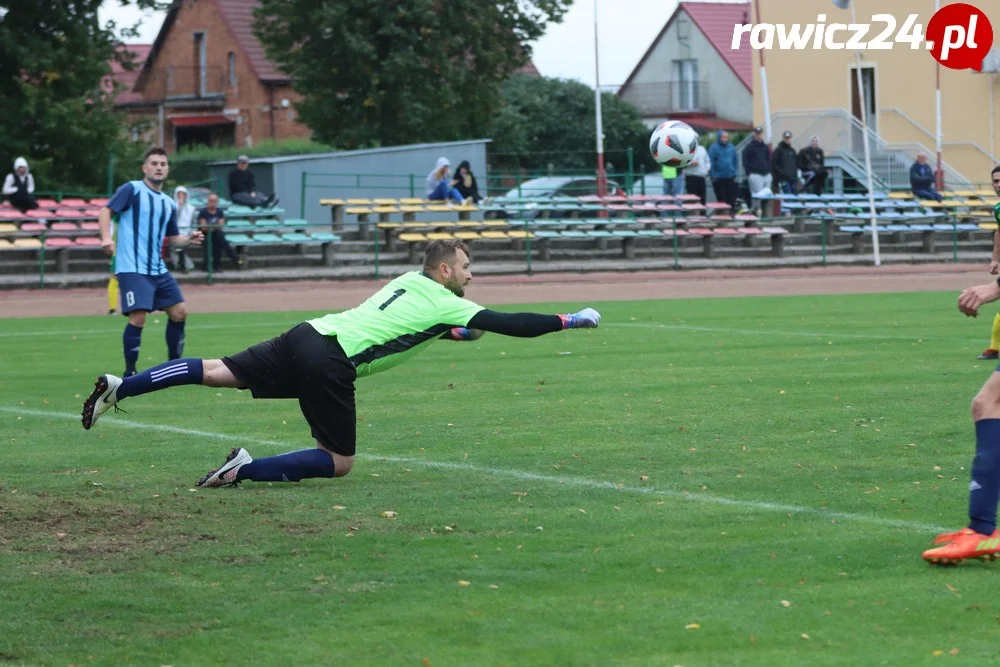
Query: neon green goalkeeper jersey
point(402, 318)
point(996, 212)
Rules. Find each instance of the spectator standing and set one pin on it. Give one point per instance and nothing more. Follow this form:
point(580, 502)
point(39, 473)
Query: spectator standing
point(812, 163)
point(243, 186)
point(696, 172)
point(19, 186)
point(722, 156)
point(922, 179)
point(673, 181)
point(465, 182)
point(784, 165)
point(211, 220)
point(439, 186)
point(757, 165)
point(185, 218)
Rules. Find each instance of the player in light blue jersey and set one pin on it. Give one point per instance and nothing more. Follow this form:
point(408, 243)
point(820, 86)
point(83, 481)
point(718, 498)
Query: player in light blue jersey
point(145, 217)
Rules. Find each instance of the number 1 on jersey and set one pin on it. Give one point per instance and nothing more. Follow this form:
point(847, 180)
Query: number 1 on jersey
point(395, 295)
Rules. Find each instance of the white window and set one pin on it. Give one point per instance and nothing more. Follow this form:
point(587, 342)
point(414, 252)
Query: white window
point(231, 68)
point(685, 88)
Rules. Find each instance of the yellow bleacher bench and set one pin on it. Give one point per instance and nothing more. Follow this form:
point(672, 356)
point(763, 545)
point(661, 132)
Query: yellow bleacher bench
point(331, 202)
point(359, 202)
point(381, 201)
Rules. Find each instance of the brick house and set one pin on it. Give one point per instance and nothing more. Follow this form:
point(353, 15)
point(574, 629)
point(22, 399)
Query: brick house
point(205, 80)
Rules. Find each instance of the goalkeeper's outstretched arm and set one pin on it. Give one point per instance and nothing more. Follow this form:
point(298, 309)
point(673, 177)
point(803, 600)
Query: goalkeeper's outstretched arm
point(524, 325)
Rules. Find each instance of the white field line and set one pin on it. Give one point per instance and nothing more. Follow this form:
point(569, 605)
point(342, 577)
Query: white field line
point(566, 482)
point(117, 330)
point(776, 332)
point(666, 327)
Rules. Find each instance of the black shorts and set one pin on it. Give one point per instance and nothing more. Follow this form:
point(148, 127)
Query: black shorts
point(304, 364)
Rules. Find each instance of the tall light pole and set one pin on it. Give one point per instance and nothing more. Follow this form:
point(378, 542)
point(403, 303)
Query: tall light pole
point(763, 81)
point(937, 108)
point(845, 4)
point(602, 177)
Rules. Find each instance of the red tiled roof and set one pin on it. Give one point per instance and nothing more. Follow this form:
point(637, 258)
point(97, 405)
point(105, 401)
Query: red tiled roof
point(528, 69)
point(716, 20)
point(238, 14)
point(709, 122)
point(127, 78)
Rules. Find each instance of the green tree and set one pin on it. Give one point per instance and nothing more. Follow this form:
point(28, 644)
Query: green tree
point(549, 124)
point(383, 73)
point(54, 55)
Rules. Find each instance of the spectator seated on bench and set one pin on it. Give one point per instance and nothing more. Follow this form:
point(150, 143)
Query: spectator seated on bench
point(243, 186)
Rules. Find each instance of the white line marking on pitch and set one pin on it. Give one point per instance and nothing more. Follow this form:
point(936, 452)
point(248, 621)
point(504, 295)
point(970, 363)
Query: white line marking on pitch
point(771, 332)
point(576, 482)
point(644, 325)
point(116, 331)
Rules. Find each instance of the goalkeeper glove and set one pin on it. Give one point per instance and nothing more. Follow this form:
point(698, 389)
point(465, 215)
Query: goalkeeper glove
point(588, 318)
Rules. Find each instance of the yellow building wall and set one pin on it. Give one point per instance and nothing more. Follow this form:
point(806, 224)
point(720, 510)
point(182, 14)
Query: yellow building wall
point(904, 79)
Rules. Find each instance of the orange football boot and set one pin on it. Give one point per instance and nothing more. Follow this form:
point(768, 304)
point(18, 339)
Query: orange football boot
point(965, 545)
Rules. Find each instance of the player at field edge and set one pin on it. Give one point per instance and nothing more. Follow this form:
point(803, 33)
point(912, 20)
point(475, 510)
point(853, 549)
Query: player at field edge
point(980, 539)
point(318, 362)
point(145, 217)
point(993, 351)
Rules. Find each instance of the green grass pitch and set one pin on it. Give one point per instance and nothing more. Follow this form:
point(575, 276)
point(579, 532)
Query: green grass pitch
point(712, 482)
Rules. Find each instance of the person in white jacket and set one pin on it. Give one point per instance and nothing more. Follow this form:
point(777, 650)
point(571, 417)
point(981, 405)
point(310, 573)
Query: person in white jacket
point(185, 218)
point(696, 173)
point(19, 186)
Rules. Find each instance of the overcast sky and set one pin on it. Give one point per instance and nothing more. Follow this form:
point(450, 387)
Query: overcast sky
point(626, 29)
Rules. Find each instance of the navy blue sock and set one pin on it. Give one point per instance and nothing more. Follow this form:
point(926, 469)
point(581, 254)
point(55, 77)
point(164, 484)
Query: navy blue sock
point(290, 467)
point(131, 340)
point(169, 374)
point(175, 339)
point(984, 490)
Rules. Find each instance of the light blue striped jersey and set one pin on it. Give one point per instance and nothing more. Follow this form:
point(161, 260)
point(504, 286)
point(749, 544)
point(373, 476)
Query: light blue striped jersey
point(145, 217)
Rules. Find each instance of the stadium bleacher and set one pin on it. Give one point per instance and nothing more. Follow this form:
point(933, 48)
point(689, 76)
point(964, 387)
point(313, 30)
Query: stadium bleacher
point(578, 227)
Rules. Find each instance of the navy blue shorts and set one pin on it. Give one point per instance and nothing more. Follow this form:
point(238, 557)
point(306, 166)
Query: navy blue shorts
point(149, 293)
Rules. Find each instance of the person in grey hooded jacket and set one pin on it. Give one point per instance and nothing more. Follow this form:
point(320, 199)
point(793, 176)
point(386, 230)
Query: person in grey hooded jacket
point(439, 184)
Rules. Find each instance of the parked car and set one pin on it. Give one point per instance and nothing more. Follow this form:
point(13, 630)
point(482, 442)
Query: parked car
point(561, 186)
point(652, 182)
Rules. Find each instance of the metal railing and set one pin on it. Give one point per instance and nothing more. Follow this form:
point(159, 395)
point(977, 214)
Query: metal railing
point(970, 144)
point(842, 136)
point(668, 97)
point(170, 83)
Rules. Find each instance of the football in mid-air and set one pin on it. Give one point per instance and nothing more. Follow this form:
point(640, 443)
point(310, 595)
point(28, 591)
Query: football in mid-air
point(673, 143)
